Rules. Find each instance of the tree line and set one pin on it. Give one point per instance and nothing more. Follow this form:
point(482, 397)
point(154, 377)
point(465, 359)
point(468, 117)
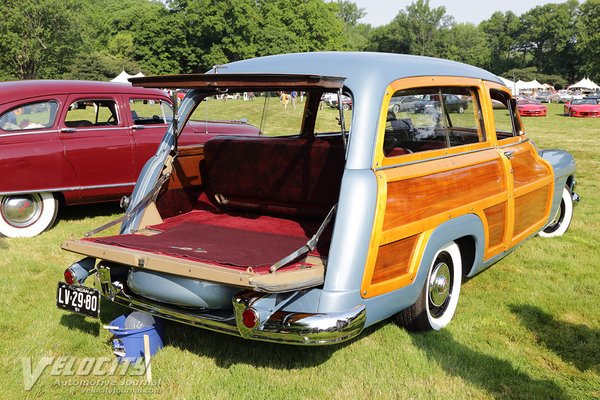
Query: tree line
point(96, 39)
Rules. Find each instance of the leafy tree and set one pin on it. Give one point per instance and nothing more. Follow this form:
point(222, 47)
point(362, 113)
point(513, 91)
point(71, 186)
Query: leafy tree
point(356, 33)
point(230, 30)
point(501, 31)
point(468, 44)
point(548, 35)
point(349, 12)
point(419, 30)
point(36, 37)
point(588, 40)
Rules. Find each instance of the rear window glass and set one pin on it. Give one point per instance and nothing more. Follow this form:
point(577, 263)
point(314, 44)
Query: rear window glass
point(30, 116)
point(273, 113)
point(150, 111)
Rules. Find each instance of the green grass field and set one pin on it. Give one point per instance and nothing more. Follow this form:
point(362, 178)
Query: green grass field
point(527, 328)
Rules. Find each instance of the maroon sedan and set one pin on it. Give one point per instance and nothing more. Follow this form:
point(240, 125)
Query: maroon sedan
point(75, 142)
point(531, 108)
point(582, 108)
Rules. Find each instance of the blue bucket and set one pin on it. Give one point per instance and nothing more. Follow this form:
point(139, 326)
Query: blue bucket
point(128, 344)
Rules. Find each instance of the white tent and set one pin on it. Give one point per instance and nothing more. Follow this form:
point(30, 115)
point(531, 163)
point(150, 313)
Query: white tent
point(548, 87)
point(509, 84)
point(528, 86)
point(584, 84)
point(123, 77)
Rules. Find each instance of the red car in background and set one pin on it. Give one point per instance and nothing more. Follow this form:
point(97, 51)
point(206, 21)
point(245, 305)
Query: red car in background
point(531, 108)
point(582, 108)
point(75, 142)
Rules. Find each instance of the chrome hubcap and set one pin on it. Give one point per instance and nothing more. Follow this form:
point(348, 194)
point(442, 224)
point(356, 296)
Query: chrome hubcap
point(439, 284)
point(21, 211)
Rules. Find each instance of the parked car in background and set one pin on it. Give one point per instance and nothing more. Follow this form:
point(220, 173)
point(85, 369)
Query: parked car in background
point(543, 97)
point(346, 102)
point(403, 103)
point(330, 222)
point(452, 103)
point(582, 108)
point(74, 142)
point(531, 108)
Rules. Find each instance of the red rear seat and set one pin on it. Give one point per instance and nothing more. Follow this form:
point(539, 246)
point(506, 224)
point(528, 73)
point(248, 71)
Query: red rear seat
point(274, 175)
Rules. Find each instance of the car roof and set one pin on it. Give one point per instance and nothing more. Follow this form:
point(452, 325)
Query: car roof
point(361, 69)
point(13, 90)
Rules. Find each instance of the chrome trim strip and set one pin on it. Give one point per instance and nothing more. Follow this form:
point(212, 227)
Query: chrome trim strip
point(281, 327)
point(26, 132)
point(101, 128)
point(67, 189)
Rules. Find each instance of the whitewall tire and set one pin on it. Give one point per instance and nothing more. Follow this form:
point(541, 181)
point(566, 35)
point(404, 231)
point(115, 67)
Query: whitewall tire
point(436, 305)
point(562, 219)
point(27, 215)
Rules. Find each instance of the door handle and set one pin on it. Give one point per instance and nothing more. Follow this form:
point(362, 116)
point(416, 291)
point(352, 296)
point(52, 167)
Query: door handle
point(137, 127)
point(509, 154)
point(68, 130)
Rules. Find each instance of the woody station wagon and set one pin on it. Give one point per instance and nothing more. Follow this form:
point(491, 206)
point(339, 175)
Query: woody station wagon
point(331, 220)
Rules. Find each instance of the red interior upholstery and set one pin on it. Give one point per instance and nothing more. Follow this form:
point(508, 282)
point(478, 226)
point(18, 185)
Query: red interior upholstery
point(274, 175)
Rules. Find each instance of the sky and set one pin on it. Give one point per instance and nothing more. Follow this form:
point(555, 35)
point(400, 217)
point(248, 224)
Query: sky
point(380, 12)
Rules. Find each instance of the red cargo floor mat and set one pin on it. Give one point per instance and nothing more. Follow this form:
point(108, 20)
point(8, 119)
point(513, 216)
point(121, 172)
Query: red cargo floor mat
point(230, 240)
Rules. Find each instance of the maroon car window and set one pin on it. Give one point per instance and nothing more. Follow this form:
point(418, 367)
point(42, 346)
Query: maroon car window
point(91, 113)
point(29, 116)
point(432, 118)
point(150, 111)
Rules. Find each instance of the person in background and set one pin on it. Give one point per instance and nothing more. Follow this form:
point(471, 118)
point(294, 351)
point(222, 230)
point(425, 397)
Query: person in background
point(294, 95)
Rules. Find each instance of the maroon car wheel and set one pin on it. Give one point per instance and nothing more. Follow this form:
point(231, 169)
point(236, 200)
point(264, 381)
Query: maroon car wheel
point(26, 215)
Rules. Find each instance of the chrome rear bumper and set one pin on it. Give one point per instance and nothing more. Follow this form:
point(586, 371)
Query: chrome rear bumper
point(308, 329)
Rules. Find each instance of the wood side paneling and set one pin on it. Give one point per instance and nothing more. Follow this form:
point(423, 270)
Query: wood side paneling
point(527, 168)
point(393, 260)
point(530, 209)
point(414, 199)
point(186, 168)
point(496, 217)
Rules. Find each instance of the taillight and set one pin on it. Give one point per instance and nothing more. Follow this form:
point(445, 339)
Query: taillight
point(69, 276)
point(249, 318)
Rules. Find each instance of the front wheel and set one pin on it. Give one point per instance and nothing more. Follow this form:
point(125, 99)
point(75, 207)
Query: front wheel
point(562, 219)
point(437, 302)
point(27, 215)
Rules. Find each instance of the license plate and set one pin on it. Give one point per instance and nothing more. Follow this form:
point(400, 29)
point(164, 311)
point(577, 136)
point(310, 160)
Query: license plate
point(79, 299)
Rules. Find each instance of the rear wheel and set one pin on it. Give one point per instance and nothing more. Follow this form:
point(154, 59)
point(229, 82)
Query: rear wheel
point(437, 302)
point(562, 219)
point(26, 215)
point(461, 109)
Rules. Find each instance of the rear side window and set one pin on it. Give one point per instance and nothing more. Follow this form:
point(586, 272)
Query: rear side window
point(432, 118)
point(91, 113)
point(150, 111)
point(30, 116)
